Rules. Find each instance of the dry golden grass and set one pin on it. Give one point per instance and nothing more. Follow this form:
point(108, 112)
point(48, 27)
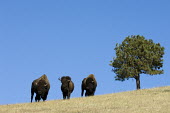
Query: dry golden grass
point(156, 100)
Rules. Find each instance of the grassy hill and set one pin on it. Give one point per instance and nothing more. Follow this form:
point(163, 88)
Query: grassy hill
point(156, 100)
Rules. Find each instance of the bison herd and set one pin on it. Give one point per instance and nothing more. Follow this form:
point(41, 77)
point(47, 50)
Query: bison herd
point(41, 87)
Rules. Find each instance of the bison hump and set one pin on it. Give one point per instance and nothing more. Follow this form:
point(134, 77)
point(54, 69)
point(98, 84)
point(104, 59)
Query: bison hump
point(91, 76)
point(43, 79)
point(65, 78)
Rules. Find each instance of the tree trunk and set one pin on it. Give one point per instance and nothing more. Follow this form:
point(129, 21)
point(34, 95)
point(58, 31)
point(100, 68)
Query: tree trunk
point(137, 81)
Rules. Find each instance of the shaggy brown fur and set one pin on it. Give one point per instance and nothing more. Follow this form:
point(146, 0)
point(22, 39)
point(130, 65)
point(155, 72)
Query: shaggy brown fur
point(67, 86)
point(41, 87)
point(89, 84)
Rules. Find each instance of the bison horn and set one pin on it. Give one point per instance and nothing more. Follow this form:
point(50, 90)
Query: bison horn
point(45, 84)
point(59, 79)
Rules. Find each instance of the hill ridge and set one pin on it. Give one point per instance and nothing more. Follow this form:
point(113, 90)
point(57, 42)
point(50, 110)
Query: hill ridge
point(155, 100)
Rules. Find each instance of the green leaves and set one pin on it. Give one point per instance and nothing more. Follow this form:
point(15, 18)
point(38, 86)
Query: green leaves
point(136, 55)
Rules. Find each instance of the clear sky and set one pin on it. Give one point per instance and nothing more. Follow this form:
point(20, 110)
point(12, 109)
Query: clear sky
point(75, 38)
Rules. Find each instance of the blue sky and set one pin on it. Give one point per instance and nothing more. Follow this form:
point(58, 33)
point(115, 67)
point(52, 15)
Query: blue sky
point(74, 38)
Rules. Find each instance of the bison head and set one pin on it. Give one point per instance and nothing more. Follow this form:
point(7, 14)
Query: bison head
point(90, 87)
point(65, 80)
point(42, 89)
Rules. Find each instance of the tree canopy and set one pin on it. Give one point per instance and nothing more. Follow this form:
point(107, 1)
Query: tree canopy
point(136, 56)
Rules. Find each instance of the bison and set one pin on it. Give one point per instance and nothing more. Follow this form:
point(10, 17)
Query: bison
point(67, 86)
point(41, 87)
point(89, 84)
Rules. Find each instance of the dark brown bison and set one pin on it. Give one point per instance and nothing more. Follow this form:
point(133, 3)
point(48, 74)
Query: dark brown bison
point(89, 84)
point(41, 87)
point(67, 86)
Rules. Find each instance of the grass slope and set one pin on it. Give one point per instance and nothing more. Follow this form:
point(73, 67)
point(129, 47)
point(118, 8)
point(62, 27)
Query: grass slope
point(156, 100)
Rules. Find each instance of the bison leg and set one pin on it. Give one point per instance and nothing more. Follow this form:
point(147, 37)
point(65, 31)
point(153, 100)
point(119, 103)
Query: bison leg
point(93, 93)
point(83, 85)
point(32, 94)
point(64, 96)
point(37, 98)
point(82, 92)
point(86, 94)
point(68, 97)
point(44, 97)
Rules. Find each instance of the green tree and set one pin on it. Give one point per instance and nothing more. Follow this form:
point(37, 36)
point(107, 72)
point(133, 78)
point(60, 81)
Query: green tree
point(136, 56)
